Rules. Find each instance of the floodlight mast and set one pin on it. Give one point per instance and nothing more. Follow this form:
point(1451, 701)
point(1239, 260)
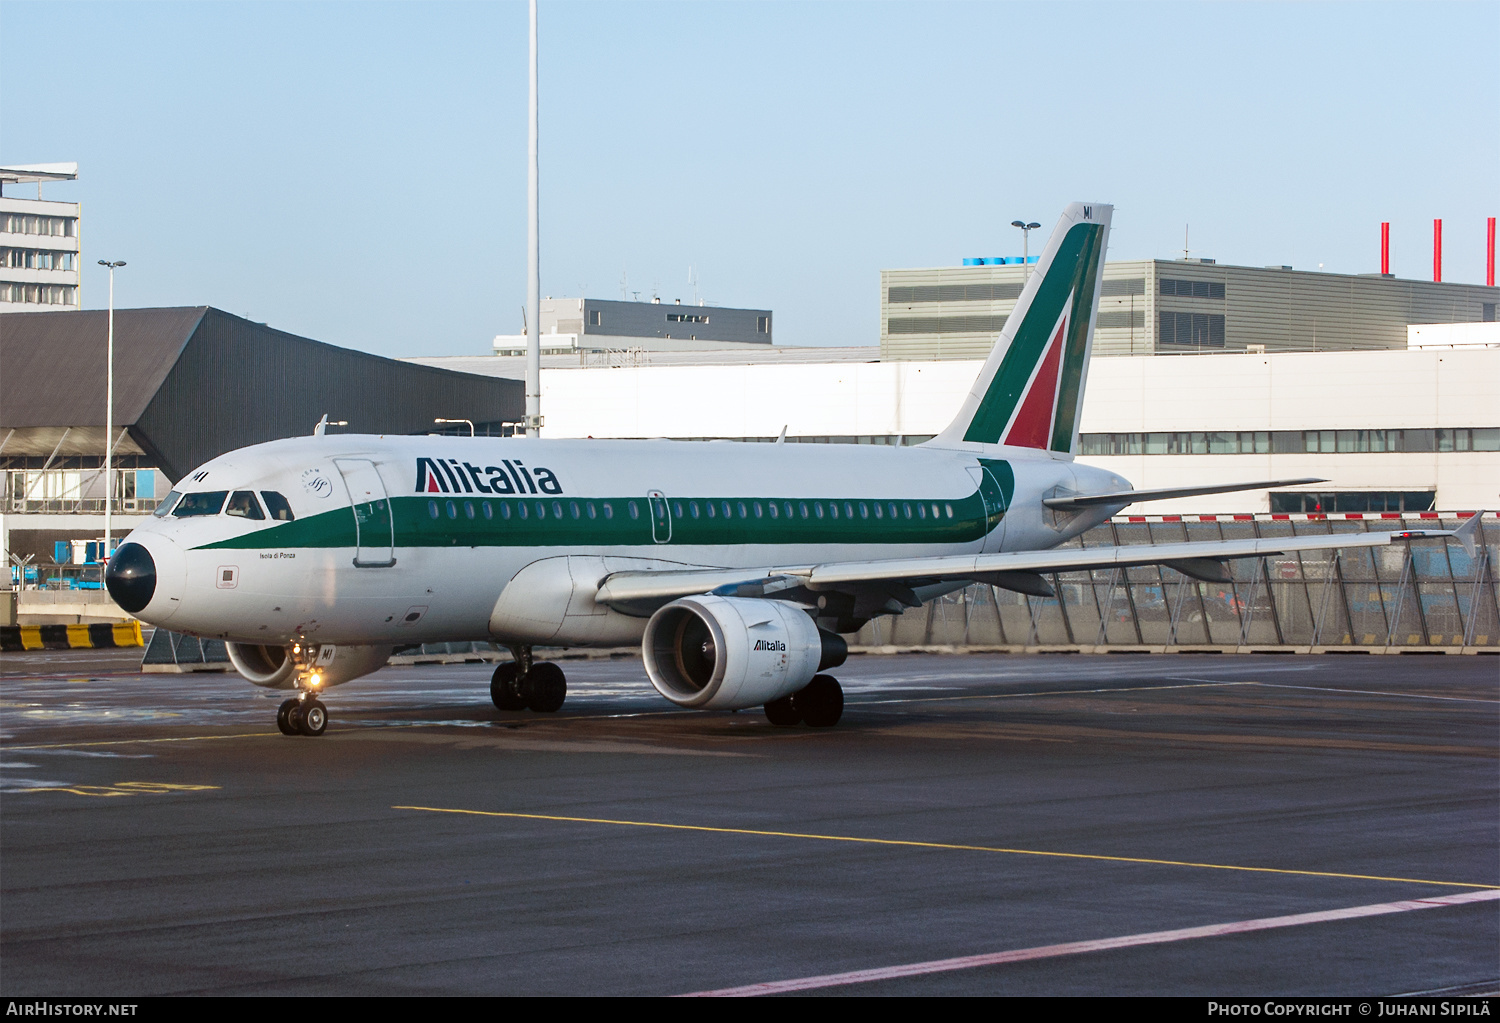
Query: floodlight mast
point(109, 413)
point(533, 261)
point(1026, 230)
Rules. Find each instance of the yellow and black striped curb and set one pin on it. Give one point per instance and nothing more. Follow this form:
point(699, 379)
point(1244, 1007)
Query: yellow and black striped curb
point(16, 638)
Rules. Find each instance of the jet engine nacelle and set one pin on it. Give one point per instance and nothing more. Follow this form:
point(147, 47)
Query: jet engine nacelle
point(725, 653)
point(273, 667)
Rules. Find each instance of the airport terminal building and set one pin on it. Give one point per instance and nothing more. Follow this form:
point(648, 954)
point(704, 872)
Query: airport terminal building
point(1164, 307)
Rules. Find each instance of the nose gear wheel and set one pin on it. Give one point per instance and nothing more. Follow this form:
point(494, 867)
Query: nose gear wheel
point(313, 718)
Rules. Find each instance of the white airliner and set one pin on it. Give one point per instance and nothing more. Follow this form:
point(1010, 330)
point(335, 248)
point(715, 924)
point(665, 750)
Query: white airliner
point(736, 566)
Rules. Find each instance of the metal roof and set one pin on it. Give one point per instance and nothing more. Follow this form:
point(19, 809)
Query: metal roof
point(29, 172)
point(52, 365)
point(194, 383)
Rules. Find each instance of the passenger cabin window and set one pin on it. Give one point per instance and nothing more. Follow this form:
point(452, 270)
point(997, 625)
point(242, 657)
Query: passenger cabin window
point(200, 504)
point(277, 506)
point(242, 503)
point(166, 504)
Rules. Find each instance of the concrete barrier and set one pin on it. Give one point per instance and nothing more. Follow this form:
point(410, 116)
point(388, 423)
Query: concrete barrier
point(98, 636)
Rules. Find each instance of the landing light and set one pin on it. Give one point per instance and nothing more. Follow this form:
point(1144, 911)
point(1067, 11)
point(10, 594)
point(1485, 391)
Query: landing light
point(315, 680)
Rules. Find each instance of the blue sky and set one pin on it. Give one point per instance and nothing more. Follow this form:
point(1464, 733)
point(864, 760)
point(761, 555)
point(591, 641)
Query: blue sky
point(355, 172)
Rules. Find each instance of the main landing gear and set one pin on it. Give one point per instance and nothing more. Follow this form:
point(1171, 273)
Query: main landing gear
point(524, 684)
point(820, 704)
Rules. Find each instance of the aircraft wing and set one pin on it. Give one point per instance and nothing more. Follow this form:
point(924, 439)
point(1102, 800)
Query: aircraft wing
point(1020, 570)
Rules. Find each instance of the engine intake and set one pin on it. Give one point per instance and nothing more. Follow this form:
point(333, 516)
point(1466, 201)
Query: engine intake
point(726, 653)
point(273, 667)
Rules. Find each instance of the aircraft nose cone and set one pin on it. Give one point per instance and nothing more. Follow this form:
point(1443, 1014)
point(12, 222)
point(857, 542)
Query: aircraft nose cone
point(131, 577)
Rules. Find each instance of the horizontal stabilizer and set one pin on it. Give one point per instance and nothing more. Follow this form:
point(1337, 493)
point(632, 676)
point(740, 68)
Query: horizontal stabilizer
point(1123, 497)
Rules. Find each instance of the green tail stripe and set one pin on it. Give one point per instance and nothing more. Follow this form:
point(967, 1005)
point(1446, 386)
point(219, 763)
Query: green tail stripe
point(1079, 247)
point(1076, 350)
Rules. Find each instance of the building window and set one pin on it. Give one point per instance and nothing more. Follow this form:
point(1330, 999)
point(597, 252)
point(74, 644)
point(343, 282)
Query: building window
point(1291, 442)
point(946, 324)
point(686, 318)
point(1192, 289)
point(1135, 318)
point(1201, 330)
point(1357, 501)
point(763, 324)
point(1130, 286)
point(596, 318)
point(1005, 292)
point(1488, 315)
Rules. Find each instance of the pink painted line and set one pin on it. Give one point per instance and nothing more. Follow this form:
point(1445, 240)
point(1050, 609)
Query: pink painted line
point(775, 987)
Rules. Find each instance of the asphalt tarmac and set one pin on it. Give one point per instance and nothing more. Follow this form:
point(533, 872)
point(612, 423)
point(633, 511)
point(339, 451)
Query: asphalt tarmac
point(1189, 825)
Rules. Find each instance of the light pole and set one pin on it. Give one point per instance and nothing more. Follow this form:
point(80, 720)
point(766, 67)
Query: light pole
point(109, 413)
point(1026, 230)
point(533, 257)
point(469, 421)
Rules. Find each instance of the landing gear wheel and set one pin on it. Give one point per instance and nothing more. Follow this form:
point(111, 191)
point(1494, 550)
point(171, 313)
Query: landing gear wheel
point(821, 701)
point(505, 688)
point(313, 718)
point(294, 717)
point(545, 687)
point(282, 722)
point(783, 713)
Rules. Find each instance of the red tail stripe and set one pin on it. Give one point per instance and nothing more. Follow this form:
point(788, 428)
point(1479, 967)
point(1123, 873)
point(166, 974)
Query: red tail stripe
point(1033, 425)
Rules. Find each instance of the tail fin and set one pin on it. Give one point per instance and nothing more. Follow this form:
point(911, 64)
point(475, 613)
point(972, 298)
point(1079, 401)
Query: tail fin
point(1030, 390)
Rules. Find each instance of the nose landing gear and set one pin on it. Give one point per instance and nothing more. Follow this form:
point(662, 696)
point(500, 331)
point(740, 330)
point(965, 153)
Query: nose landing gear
point(303, 714)
point(524, 684)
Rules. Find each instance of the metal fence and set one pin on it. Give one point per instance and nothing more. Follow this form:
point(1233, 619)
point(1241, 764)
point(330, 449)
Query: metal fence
point(1408, 596)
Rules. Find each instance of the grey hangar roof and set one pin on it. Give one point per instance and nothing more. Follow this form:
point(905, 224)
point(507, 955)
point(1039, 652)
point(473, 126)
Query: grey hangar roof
point(192, 383)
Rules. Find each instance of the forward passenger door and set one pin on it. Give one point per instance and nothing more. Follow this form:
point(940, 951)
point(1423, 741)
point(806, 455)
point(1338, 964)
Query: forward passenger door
point(374, 528)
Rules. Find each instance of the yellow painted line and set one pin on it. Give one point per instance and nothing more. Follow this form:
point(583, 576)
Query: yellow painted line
point(124, 788)
point(127, 742)
point(945, 845)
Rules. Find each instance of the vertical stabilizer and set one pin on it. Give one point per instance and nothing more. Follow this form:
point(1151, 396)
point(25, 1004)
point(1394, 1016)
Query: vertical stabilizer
point(1030, 391)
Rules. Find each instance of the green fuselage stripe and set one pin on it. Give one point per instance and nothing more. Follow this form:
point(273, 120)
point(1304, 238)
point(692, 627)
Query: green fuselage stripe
point(449, 520)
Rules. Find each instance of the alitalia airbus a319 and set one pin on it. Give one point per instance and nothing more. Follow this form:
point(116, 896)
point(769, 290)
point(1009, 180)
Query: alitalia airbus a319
point(735, 566)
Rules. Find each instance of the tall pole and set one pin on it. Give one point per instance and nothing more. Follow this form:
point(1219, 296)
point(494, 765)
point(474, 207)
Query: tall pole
point(533, 262)
point(109, 422)
point(109, 414)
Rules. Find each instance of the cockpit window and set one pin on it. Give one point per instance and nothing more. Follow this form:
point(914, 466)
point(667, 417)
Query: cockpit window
point(277, 506)
point(242, 503)
point(166, 504)
point(200, 504)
